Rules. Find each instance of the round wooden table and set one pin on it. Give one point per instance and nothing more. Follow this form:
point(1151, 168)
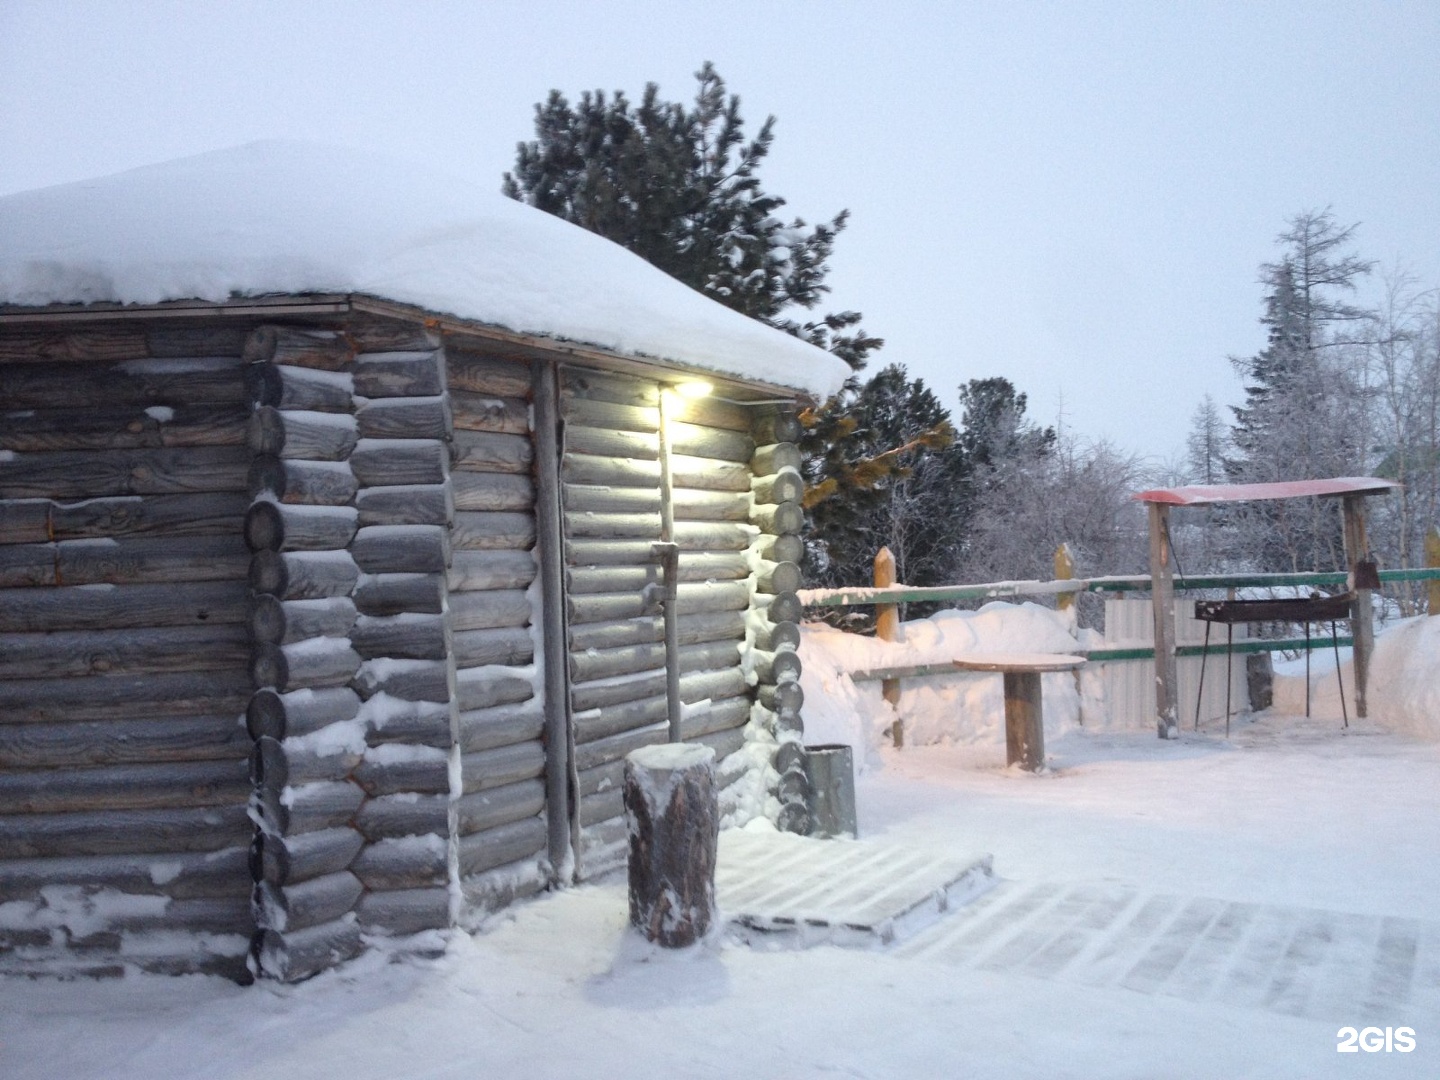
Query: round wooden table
point(1024, 716)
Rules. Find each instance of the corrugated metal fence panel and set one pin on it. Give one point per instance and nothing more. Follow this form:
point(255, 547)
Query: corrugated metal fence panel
point(1129, 685)
point(501, 812)
point(611, 483)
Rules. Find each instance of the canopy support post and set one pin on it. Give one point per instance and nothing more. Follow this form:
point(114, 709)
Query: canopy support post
point(1162, 599)
point(1362, 625)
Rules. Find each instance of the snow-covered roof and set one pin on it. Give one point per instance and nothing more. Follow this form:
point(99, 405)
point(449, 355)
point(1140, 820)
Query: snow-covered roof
point(285, 217)
point(1206, 494)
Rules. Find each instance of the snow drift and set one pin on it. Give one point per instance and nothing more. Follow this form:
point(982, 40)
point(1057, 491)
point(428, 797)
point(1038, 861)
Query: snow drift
point(964, 708)
point(969, 709)
point(1404, 692)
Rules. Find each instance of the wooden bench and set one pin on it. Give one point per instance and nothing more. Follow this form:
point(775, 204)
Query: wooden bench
point(1024, 713)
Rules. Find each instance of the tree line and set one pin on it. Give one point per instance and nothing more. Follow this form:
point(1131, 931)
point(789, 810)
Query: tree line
point(982, 491)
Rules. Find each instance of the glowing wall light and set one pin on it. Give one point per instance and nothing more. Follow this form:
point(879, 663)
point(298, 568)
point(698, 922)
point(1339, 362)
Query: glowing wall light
point(694, 388)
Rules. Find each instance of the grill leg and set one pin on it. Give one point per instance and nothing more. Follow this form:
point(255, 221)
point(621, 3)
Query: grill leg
point(1229, 647)
point(1307, 670)
point(1339, 677)
point(1200, 694)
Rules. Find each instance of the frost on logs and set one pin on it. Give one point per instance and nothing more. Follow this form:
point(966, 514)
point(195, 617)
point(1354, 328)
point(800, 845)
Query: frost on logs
point(674, 824)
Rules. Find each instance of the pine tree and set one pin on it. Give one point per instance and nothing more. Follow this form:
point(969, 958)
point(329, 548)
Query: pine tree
point(680, 187)
point(1303, 414)
point(1207, 444)
point(995, 430)
point(1002, 452)
point(882, 472)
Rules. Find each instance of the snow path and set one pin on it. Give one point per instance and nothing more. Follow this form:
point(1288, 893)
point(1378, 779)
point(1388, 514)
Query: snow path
point(1292, 960)
point(1203, 909)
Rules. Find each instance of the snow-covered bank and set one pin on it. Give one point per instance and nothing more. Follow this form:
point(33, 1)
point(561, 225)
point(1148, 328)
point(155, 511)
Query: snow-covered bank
point(968, 709)
point(1404, 693)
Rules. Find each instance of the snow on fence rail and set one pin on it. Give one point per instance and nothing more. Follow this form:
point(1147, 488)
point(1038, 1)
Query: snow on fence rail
point(1124, 688)
point(1001, 590)
point(1128, 652)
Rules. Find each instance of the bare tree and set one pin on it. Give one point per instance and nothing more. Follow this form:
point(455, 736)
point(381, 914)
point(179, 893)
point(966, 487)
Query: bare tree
point(1405, 360)
point(1077, 493)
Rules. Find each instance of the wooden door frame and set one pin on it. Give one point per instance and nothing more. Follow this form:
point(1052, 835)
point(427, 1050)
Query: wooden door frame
point(562, 802)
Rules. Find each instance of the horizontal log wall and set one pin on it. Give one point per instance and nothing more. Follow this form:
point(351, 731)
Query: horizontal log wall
point(612, 515)
point(124, 646)
point(499, 815)
point(713, 442)
point(293, 567)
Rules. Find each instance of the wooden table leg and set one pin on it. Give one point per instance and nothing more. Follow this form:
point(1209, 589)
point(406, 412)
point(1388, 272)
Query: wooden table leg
point(1024, 721)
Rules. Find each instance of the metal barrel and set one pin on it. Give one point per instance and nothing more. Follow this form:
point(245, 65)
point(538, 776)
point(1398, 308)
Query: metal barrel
point(831, 771)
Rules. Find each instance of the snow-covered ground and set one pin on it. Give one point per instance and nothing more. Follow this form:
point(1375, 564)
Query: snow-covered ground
point(1199, 908)
point(1290, 821)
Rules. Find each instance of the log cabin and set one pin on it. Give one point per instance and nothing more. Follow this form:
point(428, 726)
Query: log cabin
point(354, 526)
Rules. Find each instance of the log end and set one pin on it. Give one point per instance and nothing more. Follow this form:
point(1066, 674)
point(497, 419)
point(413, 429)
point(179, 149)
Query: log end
point(269, 667)
point(268, 573)
point(264, 527)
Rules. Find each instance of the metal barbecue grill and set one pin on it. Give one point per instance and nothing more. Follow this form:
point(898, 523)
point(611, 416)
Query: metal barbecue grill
point(1306, 610)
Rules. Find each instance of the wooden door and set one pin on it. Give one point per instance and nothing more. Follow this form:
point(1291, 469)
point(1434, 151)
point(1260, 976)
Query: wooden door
point(613, 486)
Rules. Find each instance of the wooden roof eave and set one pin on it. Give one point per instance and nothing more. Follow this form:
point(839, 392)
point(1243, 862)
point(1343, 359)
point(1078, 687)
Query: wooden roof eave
point(519, 345)
point(560, 350)
point(250, 306)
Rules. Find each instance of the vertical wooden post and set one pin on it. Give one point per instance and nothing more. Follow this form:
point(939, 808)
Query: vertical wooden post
point(1162, 600)
point(1362, 625)
point(1024, 721)
point(1064, 571)
point(887, 628)
point(562, 815)
point(1432, 561)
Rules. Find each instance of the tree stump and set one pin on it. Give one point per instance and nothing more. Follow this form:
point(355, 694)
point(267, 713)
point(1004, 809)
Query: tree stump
point(673, 816)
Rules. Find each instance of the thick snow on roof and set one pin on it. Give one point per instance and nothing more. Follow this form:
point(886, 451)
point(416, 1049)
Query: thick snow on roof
point(285, 217)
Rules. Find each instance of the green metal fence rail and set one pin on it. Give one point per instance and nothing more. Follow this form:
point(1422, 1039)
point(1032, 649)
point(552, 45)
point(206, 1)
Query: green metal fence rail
point(1000, 590)
point(1139, 652)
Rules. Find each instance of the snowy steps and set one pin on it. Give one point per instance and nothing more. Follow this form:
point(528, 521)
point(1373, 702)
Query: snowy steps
point(1292, 960)
point(791, 890)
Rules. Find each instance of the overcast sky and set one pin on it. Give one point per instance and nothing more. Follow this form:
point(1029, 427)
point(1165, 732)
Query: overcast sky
point(1075, 196)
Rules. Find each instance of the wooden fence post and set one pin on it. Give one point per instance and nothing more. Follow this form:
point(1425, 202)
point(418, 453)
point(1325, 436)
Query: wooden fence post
point(1432, 561)
point(1064, 571)
point(887, 628)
